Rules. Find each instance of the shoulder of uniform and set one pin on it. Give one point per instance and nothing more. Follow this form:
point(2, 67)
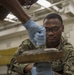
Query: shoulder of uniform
point(27, 43)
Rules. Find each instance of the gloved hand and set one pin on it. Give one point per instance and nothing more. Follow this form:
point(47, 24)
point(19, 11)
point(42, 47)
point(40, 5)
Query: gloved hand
point(44, 68)
point(36, 33)
point(33, 71)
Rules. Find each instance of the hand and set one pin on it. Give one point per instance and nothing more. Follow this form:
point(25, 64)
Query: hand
point(33, 71)
point(36, 33)
point(28, 67)
point(44, 68)
point(40, 38)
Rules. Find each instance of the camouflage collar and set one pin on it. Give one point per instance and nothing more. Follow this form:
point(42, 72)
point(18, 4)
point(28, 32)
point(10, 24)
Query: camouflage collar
point(63, 41)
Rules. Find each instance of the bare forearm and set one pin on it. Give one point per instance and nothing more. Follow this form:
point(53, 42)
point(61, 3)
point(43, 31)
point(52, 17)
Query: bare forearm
point(28, 67)
point(15, 7)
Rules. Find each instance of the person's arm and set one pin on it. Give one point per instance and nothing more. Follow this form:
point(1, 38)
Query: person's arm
point(69, 60)
point(15, 7)
point(29, 67)
point(36, 32)
point(21, 68)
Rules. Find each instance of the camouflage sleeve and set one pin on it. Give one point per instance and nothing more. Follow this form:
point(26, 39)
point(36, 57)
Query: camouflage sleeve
point(69, 60)
point(26, 45)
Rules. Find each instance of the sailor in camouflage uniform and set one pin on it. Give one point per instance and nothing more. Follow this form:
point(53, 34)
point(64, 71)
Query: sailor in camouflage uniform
point(54, 28)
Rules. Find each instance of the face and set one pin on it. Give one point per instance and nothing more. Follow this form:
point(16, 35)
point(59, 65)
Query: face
point(54, 30)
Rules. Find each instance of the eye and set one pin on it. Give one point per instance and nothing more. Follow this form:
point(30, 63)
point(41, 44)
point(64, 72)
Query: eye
point(47, 29)
point(55, 28)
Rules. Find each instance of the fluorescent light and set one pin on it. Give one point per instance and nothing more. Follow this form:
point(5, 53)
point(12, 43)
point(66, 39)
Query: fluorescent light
point(44, 3)
point(47, 4)
point(9, 20)
point(10, 16)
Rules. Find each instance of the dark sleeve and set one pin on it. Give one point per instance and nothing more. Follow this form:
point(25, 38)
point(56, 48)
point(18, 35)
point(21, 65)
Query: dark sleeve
point(68, 60)
point(19, 68)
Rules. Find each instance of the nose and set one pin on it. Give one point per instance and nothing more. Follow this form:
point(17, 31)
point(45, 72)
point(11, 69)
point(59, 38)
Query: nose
point(50, 33)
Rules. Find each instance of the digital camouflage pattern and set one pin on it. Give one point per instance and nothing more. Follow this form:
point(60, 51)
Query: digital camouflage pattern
point(64, 66)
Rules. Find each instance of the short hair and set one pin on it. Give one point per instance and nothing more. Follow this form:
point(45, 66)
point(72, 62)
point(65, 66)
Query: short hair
point(54, 16)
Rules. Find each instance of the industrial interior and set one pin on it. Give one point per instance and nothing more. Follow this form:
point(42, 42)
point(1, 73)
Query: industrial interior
point(12, 32)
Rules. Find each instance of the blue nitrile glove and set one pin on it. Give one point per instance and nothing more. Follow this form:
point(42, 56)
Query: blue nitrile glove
point(39, 38)
point(36, 33)
point(44, 68)
point(33, 71)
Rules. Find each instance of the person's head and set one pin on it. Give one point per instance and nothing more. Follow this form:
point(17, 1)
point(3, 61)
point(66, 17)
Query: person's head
point(54, 28)
point(27, 3)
